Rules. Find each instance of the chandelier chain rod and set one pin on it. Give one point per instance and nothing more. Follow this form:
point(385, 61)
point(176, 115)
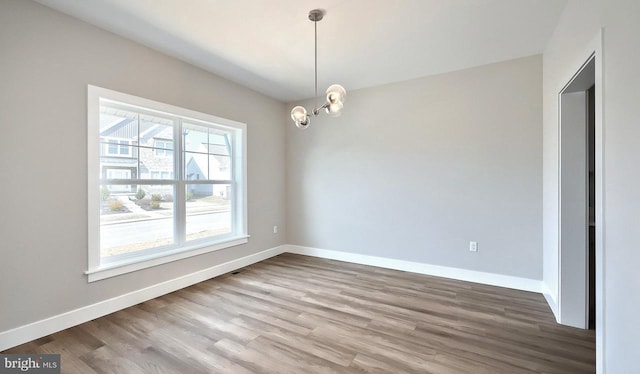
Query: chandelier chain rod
point(315, 42)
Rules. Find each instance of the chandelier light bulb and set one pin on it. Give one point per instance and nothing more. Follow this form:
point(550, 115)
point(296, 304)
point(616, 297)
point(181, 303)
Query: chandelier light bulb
point(300, 117)
point(334, 109)
point(299, 114)
point(336, 94)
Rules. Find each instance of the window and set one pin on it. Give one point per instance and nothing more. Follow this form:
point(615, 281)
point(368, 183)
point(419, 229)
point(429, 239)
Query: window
point(114, 147)
point(179, 192)
point(164, 148)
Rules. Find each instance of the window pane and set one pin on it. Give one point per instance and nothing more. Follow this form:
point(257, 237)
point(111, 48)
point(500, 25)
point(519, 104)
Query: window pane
point(196, 137)
point(207, 153)
point(113, 147)
point(219, 167)
point(118, 157)
point(134, 218)
point(196, 166)
point(154, 164)
point(219, 143)
point(124, 147)
point(121, 128)
point(208, 210)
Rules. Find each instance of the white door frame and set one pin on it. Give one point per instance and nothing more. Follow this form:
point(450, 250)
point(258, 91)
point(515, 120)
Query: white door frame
point(595, 50)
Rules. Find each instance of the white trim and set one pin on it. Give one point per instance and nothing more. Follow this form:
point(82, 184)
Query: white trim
point(142, 262)
point(169, 110)
point(93, 176)
point(99, 269)
point(241, 189)
point(38, 329)
point(500, 280)
point(551, 300)
point(595, 46)
point(600, 204)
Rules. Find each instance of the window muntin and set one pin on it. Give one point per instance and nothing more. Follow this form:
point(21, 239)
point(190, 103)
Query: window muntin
point(180, 188)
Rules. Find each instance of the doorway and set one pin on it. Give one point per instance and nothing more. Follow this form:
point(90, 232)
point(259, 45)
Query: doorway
point(577, 204)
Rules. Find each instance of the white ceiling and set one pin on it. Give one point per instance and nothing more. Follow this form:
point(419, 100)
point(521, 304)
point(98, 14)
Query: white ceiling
point(268, 45)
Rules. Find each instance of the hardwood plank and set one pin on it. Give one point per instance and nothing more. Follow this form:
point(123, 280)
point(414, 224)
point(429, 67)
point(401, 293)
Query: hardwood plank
point(296, 314)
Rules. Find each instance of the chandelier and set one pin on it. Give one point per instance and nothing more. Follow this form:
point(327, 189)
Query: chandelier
point(335, 94)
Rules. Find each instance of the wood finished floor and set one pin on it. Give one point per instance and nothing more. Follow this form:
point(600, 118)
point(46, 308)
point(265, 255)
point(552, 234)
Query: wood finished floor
point(297, 314)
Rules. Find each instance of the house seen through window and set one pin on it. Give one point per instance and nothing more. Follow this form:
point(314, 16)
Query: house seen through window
point(166, 182)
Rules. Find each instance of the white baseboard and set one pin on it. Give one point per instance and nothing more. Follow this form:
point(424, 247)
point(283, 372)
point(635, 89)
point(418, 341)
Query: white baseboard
point(551, 300)
point(492, 279)
point(38, 329)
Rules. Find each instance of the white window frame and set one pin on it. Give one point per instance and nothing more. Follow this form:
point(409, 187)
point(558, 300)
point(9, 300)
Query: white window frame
point(98, 270)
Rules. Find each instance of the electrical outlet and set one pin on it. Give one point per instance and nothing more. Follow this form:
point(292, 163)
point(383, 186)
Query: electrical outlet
point(275, 229)
point(473, 246)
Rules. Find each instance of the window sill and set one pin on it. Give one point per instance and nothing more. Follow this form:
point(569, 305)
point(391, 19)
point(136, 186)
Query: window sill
point(143, 262)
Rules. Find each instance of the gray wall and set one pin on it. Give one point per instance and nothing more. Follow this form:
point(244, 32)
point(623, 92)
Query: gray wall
point(415, 170)
point(622, 185)
point(622, 181)
point(46, 62)
point(568, 48)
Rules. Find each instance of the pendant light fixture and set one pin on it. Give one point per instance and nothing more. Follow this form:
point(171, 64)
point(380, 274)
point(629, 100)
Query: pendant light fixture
point(335, 94)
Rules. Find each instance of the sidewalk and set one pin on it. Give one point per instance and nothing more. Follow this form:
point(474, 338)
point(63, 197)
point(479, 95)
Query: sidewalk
point(136, 213)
